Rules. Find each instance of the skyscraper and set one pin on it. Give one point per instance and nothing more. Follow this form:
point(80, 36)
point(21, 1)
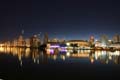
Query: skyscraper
point(91, 41)
point(45, 38)
point(34, 41)
point(116, 38)
point(104, 41)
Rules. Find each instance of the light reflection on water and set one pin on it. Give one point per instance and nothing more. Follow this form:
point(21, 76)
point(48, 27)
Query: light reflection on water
point(37, 56)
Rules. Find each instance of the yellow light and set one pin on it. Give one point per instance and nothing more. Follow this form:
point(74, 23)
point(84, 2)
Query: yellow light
point(68, 44)
point(68, 54)
point(1, 49)
point(37, 61)
point(1, 45)
point(54, 57)
point(80, 55)
point(48, 51)
point(21, 63)
point(34, 60)
point(92, 60)
point(63, 57)
point(8, 49)
point(110, 57)
point(27, 52)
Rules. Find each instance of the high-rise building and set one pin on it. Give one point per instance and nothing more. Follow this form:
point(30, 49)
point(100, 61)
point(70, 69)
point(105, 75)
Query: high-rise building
point(45, 38)
point(27, 41)
point(116, 38)
point(20, 41)
point(104, 41)
point(34, 41)
point(14, 44)
point(91, 41)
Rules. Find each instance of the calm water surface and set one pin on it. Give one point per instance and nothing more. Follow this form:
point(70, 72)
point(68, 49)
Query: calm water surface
point(20, 63)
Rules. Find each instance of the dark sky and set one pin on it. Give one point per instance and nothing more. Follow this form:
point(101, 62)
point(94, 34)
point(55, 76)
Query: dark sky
point(68, 19)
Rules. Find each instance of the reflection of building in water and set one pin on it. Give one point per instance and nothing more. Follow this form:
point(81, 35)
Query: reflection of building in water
point(44, 57)
point(41, 57)
point(55, 48)
point(54, 57)
point(92, 56)
point(115, 56)
point(19, 52)
point(102, 56)
point(27, 52)
point(116, 59)
point(107, 56)
point(35, 55)
point(63, 57)
point(78, 53)
point(57, 56)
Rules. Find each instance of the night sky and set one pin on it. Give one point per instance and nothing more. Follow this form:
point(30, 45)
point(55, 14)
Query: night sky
point(69, 19)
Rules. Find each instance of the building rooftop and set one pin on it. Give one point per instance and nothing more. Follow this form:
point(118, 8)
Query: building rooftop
point(77, 41)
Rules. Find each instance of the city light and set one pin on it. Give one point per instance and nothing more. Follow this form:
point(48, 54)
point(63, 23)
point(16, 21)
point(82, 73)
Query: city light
point(54, 46)
point(94, 49)
point(68, 44)
point(1, 49)
point(68, 54)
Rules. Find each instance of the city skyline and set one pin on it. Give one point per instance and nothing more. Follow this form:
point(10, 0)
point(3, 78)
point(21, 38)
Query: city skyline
point(60, 18)
point(55, 35)
point(59, 39)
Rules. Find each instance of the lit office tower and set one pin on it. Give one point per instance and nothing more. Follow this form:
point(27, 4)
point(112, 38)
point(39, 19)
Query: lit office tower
point(91, 41)
point(34, 41)
point(27, 41)
point(116, 38)
point(21, 41)
point(104, 40)
point(45, 38)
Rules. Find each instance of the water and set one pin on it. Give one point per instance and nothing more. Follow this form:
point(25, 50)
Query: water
point(20, 63)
